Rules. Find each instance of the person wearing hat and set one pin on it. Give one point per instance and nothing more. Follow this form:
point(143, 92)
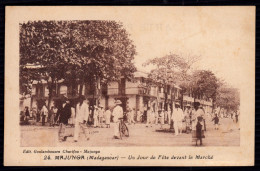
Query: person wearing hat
point(177, 118)
point(44, 112)
point(187, 115)
point(117, 113)
point(64, 115)
point(82, 114)
point(107, 117)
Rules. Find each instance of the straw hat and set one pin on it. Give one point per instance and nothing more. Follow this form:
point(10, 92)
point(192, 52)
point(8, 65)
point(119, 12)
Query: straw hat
point(118, 102)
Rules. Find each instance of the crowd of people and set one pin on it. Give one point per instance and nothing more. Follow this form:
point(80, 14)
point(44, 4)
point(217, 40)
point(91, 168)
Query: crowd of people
point(188, 120)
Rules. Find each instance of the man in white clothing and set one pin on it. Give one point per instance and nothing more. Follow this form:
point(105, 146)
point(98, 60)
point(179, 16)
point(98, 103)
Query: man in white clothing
point(44, 114)
point(117, 113)
point(82, 114)
point(177, 117)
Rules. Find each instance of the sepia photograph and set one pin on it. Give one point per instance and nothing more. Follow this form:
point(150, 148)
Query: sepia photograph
point(142, 77)
point(80, 85)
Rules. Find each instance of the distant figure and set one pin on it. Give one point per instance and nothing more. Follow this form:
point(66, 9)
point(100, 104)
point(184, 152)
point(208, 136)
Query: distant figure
point(131, 115)
point(55, 113)
point(187, 117)
point(73, 115)
point(44, 112)
point(27, 115)
point(101, 115)
point(216, 121)
point(161, 116)
point(95, 117)
point(236, 116)
point(107, 117)
point(51, 114)
point(34, 113)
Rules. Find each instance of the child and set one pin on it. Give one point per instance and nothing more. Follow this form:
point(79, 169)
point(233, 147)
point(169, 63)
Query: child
point(199, 130)
point(216, 121)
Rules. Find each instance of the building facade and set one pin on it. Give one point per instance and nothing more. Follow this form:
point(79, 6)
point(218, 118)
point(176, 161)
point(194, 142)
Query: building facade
point(134, 94)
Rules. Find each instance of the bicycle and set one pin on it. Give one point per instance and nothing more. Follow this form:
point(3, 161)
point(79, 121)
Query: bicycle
point(123, 129)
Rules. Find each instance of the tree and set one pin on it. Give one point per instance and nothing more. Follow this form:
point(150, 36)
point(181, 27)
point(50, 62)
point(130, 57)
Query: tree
point(76, 51)
point(228, 98)
point(102, 52)
point(204, 84)
point(41, 47)
point(170, 69)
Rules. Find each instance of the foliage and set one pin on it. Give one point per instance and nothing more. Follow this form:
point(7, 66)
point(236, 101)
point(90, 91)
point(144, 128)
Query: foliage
point(204, 83)
point(76, 51)
point(170, 69)
point(228, 98)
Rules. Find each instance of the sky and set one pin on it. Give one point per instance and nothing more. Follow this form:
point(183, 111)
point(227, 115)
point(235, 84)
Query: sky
point(222, 37)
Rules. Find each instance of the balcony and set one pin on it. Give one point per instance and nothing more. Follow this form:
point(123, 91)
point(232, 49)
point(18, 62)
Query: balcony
point(112, 91)
point(132, 90)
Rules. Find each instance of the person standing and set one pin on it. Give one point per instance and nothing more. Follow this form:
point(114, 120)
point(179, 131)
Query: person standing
point(55, 113)
point(82, 114)
point(27, 115)
point(187, 118)
point(161, 116)
point(64, 115)
point(149, 117)
point(216, 121)
point(73, 115)
point(177, 117)
point(101, 115)
point(51, 113)
point(95, 116)
point(131, 116)
point(117, 113)
point(44, 114)
point(34, 112)
point(107, 117)
point(197, 122)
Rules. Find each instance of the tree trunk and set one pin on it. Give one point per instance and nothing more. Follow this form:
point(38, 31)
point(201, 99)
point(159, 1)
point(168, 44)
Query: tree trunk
point(50, 86)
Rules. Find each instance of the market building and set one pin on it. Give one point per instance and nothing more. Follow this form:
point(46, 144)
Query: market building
point(135, 94)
